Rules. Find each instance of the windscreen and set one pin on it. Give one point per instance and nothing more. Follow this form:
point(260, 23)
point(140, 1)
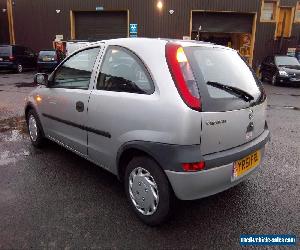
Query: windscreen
point(224, 76)
point(47, 53)
point(5, 50)
point(286, 61)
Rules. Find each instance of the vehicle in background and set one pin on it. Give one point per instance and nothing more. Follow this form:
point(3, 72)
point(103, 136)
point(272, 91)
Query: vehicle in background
point(137, 112)
point(280, 69)
point(297, 53)
point(49, 59)
point(17, 58)
point(72, 46)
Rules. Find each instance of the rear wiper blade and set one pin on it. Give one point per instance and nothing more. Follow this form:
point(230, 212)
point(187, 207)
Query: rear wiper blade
point(232, 90)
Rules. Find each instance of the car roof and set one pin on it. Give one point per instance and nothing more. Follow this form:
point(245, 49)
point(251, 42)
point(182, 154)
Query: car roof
point(283, 56)
point(158, 41)
point(48, 50)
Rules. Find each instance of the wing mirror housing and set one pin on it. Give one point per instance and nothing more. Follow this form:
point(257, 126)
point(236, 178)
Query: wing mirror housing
point(41, 79)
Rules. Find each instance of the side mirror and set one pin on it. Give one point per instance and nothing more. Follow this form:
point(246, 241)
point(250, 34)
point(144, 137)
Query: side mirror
point(41, 79)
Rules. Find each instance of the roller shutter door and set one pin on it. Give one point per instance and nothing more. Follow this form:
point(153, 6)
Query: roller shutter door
point(99, 25)
point(223, 22)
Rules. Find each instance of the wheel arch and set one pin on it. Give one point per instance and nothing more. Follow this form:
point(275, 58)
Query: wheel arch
point(127, 152)
point(28, 107)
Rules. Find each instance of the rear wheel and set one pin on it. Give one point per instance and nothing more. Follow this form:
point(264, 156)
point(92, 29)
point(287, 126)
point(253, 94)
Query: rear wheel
point(20, 68)
point(35, 129)
point(148, 190)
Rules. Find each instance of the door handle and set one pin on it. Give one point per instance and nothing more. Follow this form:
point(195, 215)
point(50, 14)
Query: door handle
point(80, 106)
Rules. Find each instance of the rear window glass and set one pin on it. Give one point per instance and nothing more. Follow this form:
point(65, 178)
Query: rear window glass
point(5, 50)
point(225, 67)
point(46, 53)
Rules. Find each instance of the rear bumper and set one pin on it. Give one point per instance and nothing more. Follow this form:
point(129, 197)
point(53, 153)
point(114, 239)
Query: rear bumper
point(7, 65)
point(218, 176)
point(191, 186)
point(47, 65)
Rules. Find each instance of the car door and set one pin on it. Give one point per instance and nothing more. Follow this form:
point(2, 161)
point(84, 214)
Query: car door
point(272, 68)
point(20, 55)
point(124, 90)
point(266, 68)
point(31, 58)
point(64, 102)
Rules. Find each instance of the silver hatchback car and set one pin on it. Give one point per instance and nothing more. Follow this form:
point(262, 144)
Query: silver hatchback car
point(169, 118)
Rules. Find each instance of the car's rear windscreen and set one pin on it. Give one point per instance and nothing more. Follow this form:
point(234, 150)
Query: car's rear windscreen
point(5, 50)
point(49, 53)
point(223, 67)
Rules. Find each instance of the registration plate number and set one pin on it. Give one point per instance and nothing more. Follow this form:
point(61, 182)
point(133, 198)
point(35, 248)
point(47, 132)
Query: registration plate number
point(295, 79)
point(46, 59)
point(244, 165)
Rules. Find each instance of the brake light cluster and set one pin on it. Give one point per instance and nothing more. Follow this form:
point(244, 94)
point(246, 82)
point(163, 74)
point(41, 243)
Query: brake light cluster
point(183, 75)
point(192, 167)
point(11, 58)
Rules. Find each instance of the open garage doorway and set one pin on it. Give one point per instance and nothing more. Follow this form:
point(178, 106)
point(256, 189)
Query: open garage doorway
point(231, 29)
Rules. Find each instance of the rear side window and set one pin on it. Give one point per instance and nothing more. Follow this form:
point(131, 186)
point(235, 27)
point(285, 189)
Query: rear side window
point(18, 50)
point(5, 50)
point(123, 71)
point(76, 71)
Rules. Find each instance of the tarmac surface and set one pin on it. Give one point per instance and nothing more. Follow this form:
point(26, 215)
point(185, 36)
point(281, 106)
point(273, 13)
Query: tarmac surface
point(51, 198)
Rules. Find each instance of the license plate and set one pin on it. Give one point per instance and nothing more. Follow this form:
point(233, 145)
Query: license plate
point(46, 59)
point(295, 79)
point(244, 165)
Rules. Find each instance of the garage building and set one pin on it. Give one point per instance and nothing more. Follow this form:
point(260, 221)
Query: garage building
point(255, 28)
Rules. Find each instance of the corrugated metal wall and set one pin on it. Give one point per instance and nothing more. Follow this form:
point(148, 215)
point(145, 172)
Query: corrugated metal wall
point(37, 23)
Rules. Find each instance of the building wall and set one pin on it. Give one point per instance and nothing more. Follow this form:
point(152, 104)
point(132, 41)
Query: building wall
point(36, 21)
point(4, 32)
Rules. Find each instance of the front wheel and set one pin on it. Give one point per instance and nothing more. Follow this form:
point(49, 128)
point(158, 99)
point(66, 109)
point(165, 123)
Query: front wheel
point(274, 80)
point(35, 129)
point(148, 190)
point(20, 68)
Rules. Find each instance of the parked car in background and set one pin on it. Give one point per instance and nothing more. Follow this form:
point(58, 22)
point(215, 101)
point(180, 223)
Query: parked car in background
point(17, 58)
point(49, 59)
point(137, 112)
point(280, 69)
point(297, 53)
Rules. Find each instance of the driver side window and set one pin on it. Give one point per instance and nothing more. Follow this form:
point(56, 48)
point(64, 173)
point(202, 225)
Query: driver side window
point(123, 71)
point(76, 72)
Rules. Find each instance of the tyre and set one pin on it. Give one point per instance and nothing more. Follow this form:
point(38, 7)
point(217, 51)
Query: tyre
point(148, 190)
point(35, 129)
point(274, 80)
point(20, 68)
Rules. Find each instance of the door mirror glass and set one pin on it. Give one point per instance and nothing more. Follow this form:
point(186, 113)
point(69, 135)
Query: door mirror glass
point(41, 79)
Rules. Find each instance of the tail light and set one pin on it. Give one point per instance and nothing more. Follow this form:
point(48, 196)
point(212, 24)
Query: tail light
point(192, 167)
point(183, 76)
point(11, 58)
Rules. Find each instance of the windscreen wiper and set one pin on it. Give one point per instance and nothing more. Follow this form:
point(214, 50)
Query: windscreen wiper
point(232, 90)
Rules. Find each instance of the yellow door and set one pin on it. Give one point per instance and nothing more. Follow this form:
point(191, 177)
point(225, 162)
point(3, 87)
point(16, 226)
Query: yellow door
point(285, 21)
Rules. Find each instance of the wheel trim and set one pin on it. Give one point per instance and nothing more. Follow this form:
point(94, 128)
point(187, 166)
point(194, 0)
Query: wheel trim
point(274, 79)
point(143, 191)
point(20, 68)
point(32, 127)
